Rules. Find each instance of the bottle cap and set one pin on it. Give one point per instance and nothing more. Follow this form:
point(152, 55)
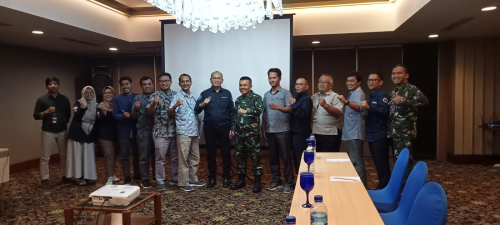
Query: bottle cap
point(318, 198)
point(290, 220)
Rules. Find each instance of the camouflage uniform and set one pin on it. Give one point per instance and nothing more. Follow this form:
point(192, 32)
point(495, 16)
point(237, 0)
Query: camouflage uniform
point(247, 132)
point(403, 117)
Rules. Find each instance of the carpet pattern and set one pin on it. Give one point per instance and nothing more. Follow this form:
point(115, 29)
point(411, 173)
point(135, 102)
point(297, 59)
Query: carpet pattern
point(473, 198)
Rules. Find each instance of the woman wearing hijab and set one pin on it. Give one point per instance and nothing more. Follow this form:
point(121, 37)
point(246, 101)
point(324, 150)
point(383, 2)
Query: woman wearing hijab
point(80, 161)
point(107, 132)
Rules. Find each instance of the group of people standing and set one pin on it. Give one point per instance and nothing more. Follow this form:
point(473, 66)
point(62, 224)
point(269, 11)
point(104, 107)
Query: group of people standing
point(154, 125)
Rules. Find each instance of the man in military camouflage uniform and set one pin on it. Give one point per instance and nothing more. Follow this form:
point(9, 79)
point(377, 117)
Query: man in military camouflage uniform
point(246, 128)
point(405, 100)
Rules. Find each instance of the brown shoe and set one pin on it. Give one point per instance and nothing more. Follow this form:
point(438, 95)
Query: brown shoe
point(45, 184)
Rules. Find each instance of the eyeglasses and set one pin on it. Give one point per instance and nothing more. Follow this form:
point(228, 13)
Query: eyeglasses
point(108, 93)
point(164, 81)
point(299, 84)
point(372, 80)
point(324, 82)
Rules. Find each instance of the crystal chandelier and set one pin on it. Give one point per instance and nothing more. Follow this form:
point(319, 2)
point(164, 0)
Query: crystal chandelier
point(219, 15)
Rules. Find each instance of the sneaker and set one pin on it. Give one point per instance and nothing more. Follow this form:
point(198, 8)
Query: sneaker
point(110, 181)
point(127, 181)
point(115, 179)
point(287, 189)
point(274, 185)
point(188, 188)
point(173, 182)
point(146, 184)
point(197, 184)
point(162, 187)
point(81, 182)
point(45, 184)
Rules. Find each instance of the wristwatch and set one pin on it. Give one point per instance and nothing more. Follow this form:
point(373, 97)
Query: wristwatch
point(347, 103)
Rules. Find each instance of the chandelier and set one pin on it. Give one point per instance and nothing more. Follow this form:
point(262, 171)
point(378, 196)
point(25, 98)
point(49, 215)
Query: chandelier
point(219, 15)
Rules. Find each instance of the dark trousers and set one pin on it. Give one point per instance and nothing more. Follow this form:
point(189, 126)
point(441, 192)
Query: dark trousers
point(379, 150)
point(125, 144)
point(212, 137)
point(146, 156)
point(328, 143)
point(279, 147)
point(299, 144)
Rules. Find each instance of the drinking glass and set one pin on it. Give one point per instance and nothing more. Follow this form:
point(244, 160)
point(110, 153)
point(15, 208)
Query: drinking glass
point(307, 184)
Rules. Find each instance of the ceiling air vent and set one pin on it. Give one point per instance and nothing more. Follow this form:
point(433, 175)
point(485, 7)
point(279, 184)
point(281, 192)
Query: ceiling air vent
point(457, 24)
point(5, 25)
point(80, 42)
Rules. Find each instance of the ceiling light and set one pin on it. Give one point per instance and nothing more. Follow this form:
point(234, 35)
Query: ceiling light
point(113, 49)
point(219, 15)
point(37, 32)
point(489, 8)
point(433, 36)
point(315, 42)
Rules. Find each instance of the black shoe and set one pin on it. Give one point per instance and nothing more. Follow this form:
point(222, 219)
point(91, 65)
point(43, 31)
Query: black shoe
point(65, 180)
point(211, 183)
point(240, 183)
point(274, 185)
point(257, 186)
point(127, 181)
point(146, 184)
point(45, 184)
point(90, 182)
point(227, 183)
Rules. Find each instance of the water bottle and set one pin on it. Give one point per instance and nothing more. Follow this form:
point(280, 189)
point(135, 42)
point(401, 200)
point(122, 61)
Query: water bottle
point(312, 142)
point(319, 213)
point(310, 147)
point(290, 220)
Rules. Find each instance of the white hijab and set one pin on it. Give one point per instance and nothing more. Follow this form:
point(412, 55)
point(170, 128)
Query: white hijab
point(88, 119)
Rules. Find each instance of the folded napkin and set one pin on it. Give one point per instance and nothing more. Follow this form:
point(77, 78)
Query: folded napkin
point(346, 179)
point(338, 160)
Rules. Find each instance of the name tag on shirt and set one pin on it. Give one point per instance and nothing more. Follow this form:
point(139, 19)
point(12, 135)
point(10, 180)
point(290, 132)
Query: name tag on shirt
point(223, 97)
point(374, 102)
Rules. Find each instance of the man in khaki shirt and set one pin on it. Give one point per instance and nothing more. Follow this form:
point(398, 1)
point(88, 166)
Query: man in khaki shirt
point(326, 119)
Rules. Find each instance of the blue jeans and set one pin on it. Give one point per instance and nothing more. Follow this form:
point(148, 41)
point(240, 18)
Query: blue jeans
point(356, 156)
point(146, 155)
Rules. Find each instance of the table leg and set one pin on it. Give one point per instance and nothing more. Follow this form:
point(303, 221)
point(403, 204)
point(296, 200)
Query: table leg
point(127, 217)
point(68, 216)
point(158, 208)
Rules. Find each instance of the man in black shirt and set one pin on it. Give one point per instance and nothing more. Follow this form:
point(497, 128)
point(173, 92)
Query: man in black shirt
point(54, 110)
point(219, 110)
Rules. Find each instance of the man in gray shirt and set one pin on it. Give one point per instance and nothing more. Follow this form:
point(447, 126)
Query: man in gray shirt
point(354, 123)
point(276, 130)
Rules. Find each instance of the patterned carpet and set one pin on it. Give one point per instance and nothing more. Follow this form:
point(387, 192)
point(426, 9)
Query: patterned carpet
point(473, 194)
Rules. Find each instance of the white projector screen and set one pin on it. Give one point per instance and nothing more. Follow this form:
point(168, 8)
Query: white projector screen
point(236, 53)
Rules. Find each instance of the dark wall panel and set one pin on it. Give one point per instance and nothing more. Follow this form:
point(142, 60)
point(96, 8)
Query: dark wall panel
point(422, 63)
point(302, 68)
point(382, 59)
point(336, 62)
point(137, 67)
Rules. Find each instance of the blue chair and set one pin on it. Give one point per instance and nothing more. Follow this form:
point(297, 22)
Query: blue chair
point(415, 182)
point(386, 200)
point(430, 207)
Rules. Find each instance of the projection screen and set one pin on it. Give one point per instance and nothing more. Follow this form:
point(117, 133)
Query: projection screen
point(236, 53)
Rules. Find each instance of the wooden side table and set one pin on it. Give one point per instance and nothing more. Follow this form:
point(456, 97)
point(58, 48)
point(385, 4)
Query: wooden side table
point(111, 213)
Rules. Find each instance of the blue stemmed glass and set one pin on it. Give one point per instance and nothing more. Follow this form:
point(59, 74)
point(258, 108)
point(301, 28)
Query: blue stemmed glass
point(307, 184)
point(308, 158)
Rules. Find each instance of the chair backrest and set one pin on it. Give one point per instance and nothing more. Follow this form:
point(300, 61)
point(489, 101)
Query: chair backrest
point(430, 207)
point(398, 172)
point(415, 182)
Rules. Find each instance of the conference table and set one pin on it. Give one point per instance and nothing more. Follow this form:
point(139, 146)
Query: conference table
point(347, 201)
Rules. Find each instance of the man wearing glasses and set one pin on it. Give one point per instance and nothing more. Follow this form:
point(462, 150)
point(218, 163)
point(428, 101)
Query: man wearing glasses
point(376, 127)
point(326, 115)
point(218, 105)
point(164, 131)
point(300, 120)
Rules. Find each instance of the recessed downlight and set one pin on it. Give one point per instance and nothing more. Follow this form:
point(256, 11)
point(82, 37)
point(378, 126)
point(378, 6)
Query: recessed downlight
point(113, 49)
point(489, 8)
point(315, 42)
point(433, 36)
point(37, 32)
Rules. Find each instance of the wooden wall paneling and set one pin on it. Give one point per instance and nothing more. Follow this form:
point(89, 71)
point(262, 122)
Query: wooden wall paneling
point(446, 100)
point(136, 67)
point(302, 67)
point(336, 62)
point(489, 92)
point(496, 146)
point(478, 96)
point(459, 97)
point(469, 97)
point(158, 70)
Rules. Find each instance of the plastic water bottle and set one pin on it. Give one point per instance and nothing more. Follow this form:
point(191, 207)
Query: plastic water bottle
point(290, 220)
point(311, 145)
point(319, 213)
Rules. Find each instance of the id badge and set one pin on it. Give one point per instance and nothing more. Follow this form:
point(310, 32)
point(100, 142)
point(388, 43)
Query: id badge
point(393, 108)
